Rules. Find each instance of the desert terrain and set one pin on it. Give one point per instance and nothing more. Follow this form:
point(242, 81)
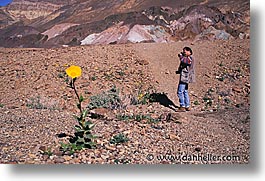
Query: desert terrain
point(128, 57)
point(37, 107)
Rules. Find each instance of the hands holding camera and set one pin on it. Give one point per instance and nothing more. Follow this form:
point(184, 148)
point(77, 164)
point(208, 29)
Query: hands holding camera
point(181, 54)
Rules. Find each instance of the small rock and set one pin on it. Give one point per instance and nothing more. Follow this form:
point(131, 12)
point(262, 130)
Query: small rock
point(247, 85)
point(45, 157)
point(127, 132)
point(58, 153)
point(98, 113)
point(100, 142)
point(198, 149)
point(110, 148)
point(236, 89)
point(173, 137)
point(142, 62)
point(59, 160)
point(105, 157)
point(122, 152)
point(43, 148)
point(75, 161)
point(165, 117)
point(67, 158)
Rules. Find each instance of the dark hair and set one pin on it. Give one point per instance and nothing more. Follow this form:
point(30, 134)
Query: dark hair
point(188, 49)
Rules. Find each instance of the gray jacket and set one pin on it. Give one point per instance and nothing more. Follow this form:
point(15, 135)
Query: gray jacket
point(187, 71)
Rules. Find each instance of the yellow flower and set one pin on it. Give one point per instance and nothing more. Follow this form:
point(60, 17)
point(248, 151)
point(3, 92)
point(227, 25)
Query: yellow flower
point(73, 71)
point(140, 96)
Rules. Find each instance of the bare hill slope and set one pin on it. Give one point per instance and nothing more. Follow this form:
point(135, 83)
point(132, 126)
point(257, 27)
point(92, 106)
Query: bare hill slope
point(75, 22)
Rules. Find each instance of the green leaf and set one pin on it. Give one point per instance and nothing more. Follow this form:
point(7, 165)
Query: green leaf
point(77, 118)
point(90, 145)
point(89, 125)
point(81, 98)
point(73, 145)
point(88, 136)
point(80, 147)
point(78, 128)
point(80, 140)
point(92, 137)
point(85, 113)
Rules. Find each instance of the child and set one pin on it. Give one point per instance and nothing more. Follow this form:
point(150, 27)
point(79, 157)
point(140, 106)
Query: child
point(187, 75)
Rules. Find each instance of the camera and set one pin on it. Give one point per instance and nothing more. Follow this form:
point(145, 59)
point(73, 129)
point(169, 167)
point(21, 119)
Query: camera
point(181, 54)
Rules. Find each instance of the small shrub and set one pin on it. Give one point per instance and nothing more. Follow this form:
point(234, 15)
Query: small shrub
point(121, 73)
point(196, 103)
point(124, 117)
point(137, 117)
point(221, 64)
point(208, 101)
point(227, 100)
point(109, 99)
point(48, 152)
point(35, 104)
point(120, 138)
point(222, 78)
point(93, 78)
point(145, 97)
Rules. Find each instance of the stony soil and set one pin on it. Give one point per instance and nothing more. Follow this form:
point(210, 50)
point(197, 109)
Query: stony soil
point(37, 106)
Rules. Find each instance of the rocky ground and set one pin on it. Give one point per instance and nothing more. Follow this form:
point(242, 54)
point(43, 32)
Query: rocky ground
point(37, 107)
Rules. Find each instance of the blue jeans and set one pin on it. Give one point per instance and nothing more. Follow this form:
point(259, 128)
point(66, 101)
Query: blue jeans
point(184, 99)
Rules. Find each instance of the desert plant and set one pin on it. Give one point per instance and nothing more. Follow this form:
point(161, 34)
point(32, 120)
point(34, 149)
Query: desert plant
point(144, 97)
point(124, 117)
point(208, 101)
point(35, 103)
point(196, 102)
point(208, 98)
point(83, 138)
point(109, 99)
point(119, 138)
point(137, 117)
point(48, 152)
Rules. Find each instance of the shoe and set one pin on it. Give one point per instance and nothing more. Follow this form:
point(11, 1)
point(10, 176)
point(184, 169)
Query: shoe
point(188, 109)
point(182, 109)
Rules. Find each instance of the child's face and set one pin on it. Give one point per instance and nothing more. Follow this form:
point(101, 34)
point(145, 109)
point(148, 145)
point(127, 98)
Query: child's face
point(187, 53)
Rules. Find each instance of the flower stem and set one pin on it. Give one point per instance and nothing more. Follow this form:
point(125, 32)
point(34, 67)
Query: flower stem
point(78, 97)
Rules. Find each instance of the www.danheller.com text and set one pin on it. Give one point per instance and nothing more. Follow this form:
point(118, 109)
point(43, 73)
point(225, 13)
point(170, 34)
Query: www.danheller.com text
point(183, 157)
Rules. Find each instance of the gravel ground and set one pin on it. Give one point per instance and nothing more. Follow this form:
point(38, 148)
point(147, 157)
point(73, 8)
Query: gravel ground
point(184, 138)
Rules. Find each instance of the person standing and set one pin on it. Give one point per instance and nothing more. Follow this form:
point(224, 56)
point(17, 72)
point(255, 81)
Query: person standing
point(187, 75)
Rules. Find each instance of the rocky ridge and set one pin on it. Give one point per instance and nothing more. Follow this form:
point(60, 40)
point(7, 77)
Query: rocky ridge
point(130, 21)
